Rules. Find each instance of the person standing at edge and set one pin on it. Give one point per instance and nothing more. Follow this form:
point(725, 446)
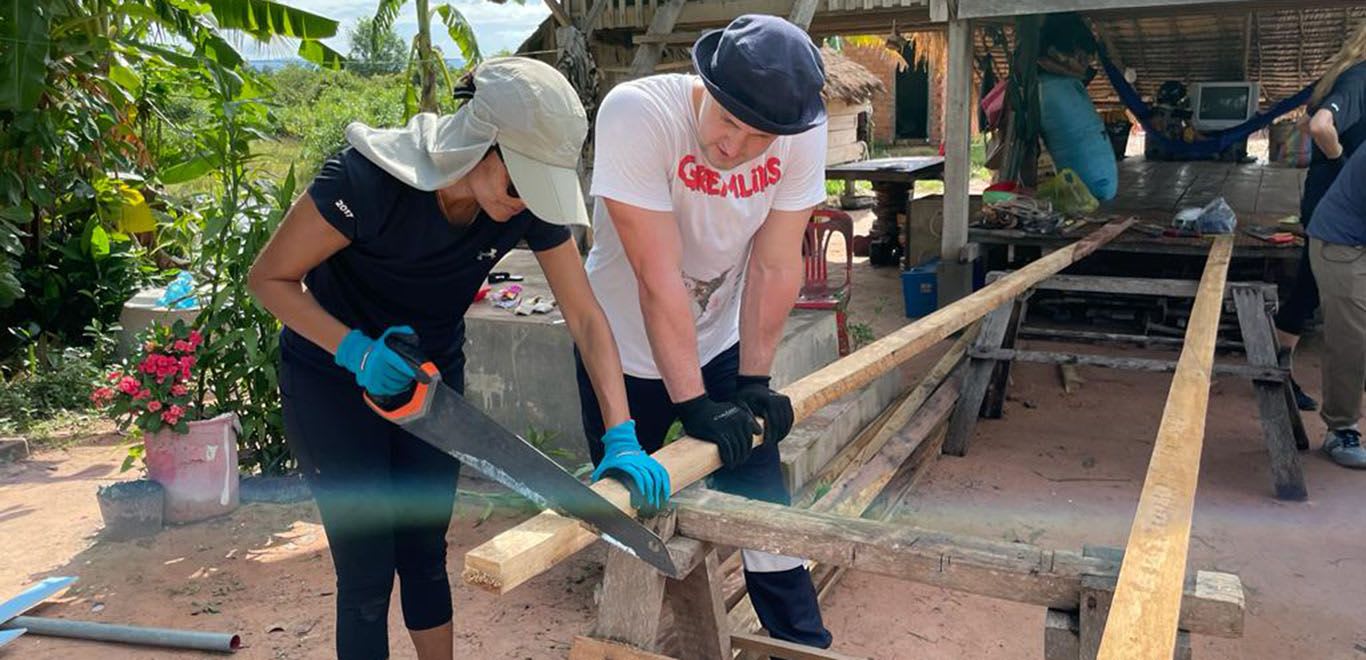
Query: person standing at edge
point(1336, 110)
point(704, 186)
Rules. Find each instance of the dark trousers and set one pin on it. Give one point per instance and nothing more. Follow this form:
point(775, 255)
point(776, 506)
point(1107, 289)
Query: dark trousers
point(1302, 301)
point(782, 593)
point(385, 498)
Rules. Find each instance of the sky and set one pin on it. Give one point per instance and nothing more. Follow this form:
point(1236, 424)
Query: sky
point(497, 27)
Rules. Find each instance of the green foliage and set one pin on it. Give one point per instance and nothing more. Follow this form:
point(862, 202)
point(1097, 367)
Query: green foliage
point(317, 111)
point(59, 382)
point(241, 338)
point(374, 51)
point(861, 334)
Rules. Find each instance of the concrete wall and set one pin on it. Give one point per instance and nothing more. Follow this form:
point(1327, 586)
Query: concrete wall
point(520, 369)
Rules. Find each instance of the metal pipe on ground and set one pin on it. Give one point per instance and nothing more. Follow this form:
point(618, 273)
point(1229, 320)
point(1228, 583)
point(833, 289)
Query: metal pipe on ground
point(105, 632)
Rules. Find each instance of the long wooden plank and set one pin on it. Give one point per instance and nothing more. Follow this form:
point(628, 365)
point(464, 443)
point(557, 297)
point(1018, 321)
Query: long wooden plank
point(1145, 614)
point(529, 549)
point(700, 611)
point(1017, 572)
point(802, 13)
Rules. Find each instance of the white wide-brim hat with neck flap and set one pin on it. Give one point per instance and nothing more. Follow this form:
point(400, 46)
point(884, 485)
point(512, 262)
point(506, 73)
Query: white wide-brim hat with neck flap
point(522, 105)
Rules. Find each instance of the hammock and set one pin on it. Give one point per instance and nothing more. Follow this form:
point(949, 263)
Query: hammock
point(1213, 142)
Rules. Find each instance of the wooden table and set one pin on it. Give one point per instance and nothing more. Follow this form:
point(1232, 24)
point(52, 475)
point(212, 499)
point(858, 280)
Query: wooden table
point(897, 174)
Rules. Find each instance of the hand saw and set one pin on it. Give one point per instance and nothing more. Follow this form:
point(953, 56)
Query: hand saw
point(442, 418)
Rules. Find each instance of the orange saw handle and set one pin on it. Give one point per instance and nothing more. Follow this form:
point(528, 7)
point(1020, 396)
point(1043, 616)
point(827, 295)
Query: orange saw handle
point(416, 401)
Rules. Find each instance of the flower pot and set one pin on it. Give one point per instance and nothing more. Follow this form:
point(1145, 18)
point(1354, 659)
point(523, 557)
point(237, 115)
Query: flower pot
point(131, 509)
point(198, 468)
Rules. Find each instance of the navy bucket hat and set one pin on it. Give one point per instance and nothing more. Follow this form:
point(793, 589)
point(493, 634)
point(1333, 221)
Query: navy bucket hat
point(765, 71)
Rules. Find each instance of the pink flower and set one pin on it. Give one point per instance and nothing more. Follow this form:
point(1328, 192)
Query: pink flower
point(177, 410)
point(153, 406)
point(196, 339)
point(169, 418)
point(115, 377)
point(144, 393)
point(128, 385)
point(182, 346)
point(101, 396)
point(178, 390)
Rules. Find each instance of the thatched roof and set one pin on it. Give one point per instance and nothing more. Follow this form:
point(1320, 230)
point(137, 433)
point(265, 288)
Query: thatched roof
point(1283, 49)
point(847, 80)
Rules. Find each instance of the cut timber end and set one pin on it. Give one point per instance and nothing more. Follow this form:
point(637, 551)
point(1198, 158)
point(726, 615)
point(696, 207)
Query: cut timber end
point(482, 580)
point(531, 548)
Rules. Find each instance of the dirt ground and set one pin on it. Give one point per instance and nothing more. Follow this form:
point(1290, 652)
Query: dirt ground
point(1059, 470)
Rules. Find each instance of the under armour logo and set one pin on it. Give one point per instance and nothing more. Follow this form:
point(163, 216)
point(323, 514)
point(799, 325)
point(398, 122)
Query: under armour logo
point(491, 253)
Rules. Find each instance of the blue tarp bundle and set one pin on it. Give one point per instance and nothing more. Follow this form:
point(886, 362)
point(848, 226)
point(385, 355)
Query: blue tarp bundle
point(1214, 142)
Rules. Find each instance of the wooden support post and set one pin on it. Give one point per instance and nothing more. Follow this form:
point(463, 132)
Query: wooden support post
point(700, 611)
point(557, 10)
point(633, 595)
point(1018, 572)
point(647, 55)
point(533, 547)
point(1061, 639)
point(1273, 400)
point(980, 371)
point(1147, 605)
point(994, 405)
point(955, 277)
point(802, 13)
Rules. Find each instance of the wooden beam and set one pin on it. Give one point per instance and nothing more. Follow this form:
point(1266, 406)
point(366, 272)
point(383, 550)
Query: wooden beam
point(647, 56)
point(1146, 611)
point(671, 39)
point(802, 13)
point(1251, 372)
point(533, 547)
point(590, 20)
point(1135, 286)
point(1016, 572)
point(955, 278)
point(767, 646)
point(557, 10)
point(1000, 8)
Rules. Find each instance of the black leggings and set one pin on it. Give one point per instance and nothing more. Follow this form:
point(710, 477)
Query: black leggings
point(385, 498)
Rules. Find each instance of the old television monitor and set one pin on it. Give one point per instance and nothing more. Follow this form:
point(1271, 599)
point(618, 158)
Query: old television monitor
point(1222, 105)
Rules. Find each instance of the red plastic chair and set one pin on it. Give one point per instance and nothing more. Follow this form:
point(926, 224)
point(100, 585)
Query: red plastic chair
point(817, 291)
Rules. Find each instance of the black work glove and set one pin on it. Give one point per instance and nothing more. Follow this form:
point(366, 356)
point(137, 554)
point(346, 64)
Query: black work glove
point(730, 425)
point(773, 407)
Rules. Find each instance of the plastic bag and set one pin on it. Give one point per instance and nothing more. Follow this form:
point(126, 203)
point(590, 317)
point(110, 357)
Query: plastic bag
point(179, 294)
point(1068, 194)
point(1217, 218)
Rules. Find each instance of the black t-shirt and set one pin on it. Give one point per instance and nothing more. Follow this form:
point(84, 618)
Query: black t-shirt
point(406, 264)
point(1347, 102)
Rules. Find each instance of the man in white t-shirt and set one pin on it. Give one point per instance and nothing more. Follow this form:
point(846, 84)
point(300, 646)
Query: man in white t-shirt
point(705, 184)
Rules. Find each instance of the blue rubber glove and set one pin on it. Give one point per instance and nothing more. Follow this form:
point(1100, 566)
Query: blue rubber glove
point(378, 369)
point(623, 459)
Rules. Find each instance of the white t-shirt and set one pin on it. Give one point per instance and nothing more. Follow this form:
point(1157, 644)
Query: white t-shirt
point(646, 154)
